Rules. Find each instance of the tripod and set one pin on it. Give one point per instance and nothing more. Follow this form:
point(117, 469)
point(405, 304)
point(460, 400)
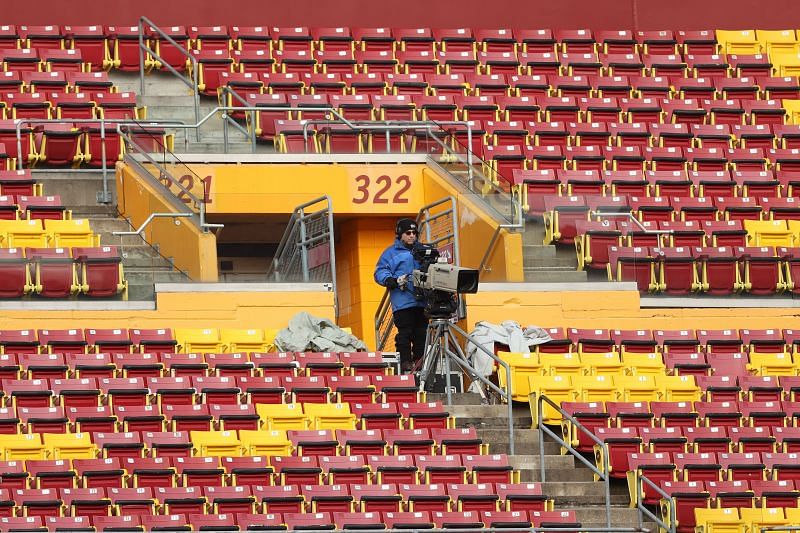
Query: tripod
point(442, 348)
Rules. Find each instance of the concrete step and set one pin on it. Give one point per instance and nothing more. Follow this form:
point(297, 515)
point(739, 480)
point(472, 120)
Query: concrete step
point(533, 275)
point(526, 442)
point(595, 516)
point(143, 276)
point(534, 232)
point(547, 258)
point(79, 191)
point(580, 493)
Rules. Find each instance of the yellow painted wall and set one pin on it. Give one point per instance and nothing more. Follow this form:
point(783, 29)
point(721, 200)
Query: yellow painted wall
point(367, 189)
point(192, 250)
point(236, 310)
point(615, 310)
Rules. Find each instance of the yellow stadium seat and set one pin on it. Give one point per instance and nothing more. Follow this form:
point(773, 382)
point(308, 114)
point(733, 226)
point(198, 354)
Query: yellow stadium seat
point(738, 42)
point(245, 340)
point(771, 364)
point(523, 365)
point(561, 364)
point(786, 65)
point(261, 442)
point(22, 447)
point(22, 234)
point(601, 364)
point(677, 388)
point(216, 443)
point(199, 340)
point(330, 416)
point(282, 416)
point(720, 520)
point(643, 364)
point(768, 233)
point(67, 233)
point(778, 41)
point(69, 445)
point(755, 519)
point(636, 388)
point(594, 389)
point(792, 515)
point(557, 389)
point(792, 107)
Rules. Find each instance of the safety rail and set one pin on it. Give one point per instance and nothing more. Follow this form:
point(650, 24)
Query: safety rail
point(305, 232)
point(149, 219)
point(643, 510)
point(163, 174)
point(604, 474)
point(192, 82)
point(474, 375)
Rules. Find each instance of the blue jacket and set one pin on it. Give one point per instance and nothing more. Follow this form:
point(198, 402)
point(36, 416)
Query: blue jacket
point(395, 261)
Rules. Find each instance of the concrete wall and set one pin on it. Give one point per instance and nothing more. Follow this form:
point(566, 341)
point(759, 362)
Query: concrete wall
point(603, 14)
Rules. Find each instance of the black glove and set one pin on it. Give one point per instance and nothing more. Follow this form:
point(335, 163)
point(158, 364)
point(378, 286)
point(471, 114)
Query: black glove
point(390, 283)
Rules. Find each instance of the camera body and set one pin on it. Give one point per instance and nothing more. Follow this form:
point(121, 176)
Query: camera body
point(439, 283)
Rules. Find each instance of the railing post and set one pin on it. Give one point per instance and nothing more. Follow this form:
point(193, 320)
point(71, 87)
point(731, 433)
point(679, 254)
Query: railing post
point(141, 57)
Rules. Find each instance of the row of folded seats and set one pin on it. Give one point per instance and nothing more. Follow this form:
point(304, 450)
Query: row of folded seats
point(377, 397)
point(358, 370)
point(93, 40)
point(252, 81)
point(638, 353)
point(412, 520)
point(503, 127)
point(420, 57)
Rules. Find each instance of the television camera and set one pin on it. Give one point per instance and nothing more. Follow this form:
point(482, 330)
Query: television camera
point(439, 283)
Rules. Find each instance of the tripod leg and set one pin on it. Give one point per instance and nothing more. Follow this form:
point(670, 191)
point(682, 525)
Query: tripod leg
point(459, 353)
point(432, 353)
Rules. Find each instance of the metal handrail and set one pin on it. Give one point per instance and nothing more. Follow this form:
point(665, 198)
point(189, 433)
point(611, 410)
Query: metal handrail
point(149, 219)
point(163, 172)
point(671, 527)
point(192, 84)
point(473, 373)
point(604, 474)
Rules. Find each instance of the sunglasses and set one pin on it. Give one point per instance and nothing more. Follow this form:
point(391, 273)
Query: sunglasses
point(410, 232)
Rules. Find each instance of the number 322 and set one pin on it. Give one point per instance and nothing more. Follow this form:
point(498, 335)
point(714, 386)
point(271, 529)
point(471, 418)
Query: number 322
point(379, 191)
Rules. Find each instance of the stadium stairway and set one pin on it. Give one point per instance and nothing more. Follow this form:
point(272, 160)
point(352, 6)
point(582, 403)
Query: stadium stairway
point(168, 98)
point(547, 263)
point(143, 265)
point(575, 488)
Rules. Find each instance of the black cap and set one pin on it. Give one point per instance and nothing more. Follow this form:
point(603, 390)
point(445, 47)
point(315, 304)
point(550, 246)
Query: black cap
point(405, 224)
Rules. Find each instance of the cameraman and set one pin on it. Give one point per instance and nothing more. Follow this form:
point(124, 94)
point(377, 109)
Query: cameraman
point(393, 271)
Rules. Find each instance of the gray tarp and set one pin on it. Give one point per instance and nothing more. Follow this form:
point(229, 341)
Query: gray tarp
point(310, 333)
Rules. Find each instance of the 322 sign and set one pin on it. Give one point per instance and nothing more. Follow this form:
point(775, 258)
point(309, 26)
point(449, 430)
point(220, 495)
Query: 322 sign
point(382, 189)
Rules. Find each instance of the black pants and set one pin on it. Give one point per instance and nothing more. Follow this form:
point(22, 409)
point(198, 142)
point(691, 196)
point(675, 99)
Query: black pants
point(411, 324)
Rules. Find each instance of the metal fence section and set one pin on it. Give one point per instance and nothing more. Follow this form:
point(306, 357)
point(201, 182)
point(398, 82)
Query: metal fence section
point(306, 252)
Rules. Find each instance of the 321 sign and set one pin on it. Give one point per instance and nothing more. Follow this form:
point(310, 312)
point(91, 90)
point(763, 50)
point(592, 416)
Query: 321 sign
point(381, 189)
point(200, 188)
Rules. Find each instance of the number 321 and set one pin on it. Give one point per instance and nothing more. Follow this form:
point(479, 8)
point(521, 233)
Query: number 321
point(379, 190)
